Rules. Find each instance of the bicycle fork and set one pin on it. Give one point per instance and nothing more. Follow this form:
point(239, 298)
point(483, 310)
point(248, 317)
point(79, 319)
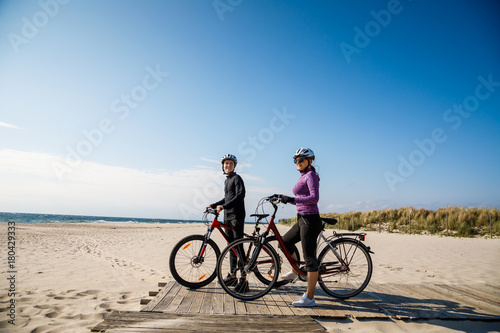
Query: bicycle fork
point(199, 258)
point(250, 264)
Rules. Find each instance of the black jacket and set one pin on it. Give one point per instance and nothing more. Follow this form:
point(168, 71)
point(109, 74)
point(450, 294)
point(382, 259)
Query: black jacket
point(234, 195)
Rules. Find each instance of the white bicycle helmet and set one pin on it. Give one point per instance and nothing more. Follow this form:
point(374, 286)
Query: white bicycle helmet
point(304, 152)
point(228, 157)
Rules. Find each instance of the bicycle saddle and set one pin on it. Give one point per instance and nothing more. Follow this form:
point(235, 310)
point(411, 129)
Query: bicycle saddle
point(260, 216)
point(329, 220)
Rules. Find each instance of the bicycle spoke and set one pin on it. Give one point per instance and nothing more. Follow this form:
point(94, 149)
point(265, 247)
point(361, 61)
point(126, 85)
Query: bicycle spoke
point(255, 271)
point(188, 268)
point(348, 275)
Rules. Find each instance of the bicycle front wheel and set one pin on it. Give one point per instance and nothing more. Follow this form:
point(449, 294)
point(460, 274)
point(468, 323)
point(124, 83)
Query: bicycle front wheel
point(347, 275)
point(285, 266)
point(190, 265)
point(250, 262)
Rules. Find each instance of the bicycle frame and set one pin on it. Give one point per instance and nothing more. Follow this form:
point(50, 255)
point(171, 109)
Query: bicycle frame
point(272, 227)
point(216, 224)
point(345, 266)
point(338, 267)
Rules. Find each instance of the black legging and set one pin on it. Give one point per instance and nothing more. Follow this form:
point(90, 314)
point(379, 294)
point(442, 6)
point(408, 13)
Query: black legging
point(306, 230)
point(232, 235)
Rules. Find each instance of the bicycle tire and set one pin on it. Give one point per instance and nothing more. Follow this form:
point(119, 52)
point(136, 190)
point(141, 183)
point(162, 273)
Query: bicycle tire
point(267, 261)
point(184, 267)
point(284, 266)
point(345, 282)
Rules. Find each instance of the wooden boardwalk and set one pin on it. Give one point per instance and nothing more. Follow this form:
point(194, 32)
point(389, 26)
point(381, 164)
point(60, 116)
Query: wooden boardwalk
point(176, 308)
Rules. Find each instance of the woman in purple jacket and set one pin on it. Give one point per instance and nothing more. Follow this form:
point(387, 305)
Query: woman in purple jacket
point(308, 225)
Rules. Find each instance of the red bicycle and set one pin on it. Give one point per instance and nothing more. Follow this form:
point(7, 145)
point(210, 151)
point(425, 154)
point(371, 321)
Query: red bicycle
point(345, 265)
point(193, 260)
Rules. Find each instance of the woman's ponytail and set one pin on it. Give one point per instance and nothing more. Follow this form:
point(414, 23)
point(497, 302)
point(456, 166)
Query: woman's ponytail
point(314, 169)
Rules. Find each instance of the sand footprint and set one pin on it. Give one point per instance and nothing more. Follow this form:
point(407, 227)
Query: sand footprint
point(85, 316)
point(105, 305)
point(53, 314)
point(89, 292)
point(126, 295)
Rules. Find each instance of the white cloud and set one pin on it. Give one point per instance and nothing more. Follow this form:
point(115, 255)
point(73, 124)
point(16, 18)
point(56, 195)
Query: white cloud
point(8, 125)
point(30, 184)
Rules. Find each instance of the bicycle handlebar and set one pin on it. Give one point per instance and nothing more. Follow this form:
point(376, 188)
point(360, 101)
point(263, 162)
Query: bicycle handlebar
point(212, 211)
point(275, 198)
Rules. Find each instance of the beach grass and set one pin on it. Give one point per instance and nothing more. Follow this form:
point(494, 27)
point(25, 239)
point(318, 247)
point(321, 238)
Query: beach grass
point(450, 221)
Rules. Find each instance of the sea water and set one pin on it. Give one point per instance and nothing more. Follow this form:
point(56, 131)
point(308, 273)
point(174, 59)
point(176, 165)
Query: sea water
point(45, 218)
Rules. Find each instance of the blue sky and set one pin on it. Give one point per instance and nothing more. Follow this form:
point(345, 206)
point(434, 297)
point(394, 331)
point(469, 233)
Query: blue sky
point(124, 108)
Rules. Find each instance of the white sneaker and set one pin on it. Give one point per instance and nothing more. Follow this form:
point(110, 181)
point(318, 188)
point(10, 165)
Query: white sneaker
point(304, 301)
point(289, 276)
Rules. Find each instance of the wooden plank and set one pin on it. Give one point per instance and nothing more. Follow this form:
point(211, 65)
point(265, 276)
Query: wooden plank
point(176, 301)
point(252, 308)
point(328, 306)
point(402, 301)
point(410, 307)
point(444, 303)
point(444, 308)
point(261, 306)
point(271, 304)
point(165, 298)
point(481, 305)
point(488, 289)
point(240, 307)
point(422, 307)
point(218, 299)
point(495, 290)
point(362, 306)
point(156, 322)
point(388, 302)
point(197, 301)
point(158, 298)
point(406, 306)
point(324, 305)
point(281, 303)
point(476, 292)
point(206, 306)
point(229, 307)
point(186, 302)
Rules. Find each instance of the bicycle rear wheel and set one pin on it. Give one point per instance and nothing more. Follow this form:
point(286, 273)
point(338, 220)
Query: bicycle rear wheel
point(250, 266)
point(188, 268)
point(348, 276)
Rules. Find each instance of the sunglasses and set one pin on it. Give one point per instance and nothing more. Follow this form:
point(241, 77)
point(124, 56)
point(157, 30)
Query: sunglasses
point(298, 160)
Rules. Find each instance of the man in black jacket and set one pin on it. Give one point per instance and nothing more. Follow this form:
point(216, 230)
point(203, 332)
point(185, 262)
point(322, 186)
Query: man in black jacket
point(233, 206)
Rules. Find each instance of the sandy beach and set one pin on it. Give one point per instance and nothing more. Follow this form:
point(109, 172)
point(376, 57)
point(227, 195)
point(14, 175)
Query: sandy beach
point(68, 276)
